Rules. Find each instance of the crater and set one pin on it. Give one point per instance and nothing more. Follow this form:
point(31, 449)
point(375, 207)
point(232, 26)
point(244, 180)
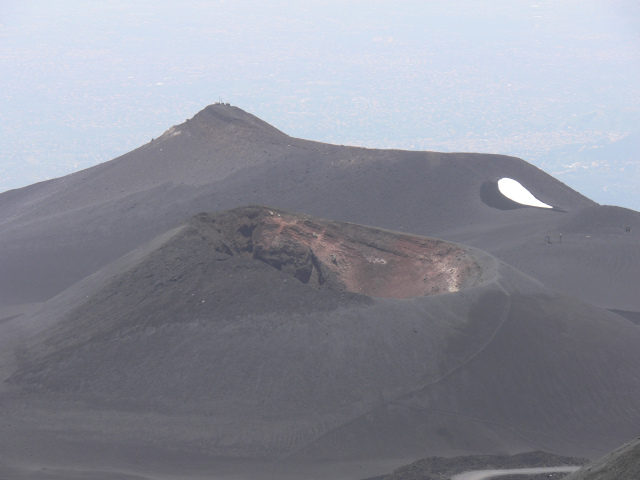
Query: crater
point(354, 258)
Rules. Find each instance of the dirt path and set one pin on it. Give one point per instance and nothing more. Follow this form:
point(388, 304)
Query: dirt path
point(484, 474)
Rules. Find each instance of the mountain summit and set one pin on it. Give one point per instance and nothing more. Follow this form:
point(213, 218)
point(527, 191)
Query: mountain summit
point(221, 118)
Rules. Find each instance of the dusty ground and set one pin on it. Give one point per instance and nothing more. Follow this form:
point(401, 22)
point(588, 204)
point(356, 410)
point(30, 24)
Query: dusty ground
point(438, 468)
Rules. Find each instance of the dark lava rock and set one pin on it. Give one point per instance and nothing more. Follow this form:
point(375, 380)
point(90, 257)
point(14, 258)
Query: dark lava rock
point(349, 257)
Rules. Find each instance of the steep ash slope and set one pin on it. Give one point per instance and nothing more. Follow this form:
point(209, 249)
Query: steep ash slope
point(622, 463)
point(207, 349)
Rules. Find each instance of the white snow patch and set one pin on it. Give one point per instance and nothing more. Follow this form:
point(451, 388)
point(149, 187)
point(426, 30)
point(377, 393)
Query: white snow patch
point(513, 190)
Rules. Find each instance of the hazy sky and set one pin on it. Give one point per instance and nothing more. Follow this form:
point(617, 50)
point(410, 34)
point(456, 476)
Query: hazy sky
point(549, 81)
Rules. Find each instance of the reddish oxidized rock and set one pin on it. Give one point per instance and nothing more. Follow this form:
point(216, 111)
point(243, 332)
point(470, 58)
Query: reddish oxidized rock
point(355, 258)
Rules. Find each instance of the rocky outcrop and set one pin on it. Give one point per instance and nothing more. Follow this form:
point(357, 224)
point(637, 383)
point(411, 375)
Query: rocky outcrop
point(344, 256)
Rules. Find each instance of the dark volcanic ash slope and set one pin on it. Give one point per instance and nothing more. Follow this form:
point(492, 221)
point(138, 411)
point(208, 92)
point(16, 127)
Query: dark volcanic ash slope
point(621, 464)
point(245, 336)
point(55, 233)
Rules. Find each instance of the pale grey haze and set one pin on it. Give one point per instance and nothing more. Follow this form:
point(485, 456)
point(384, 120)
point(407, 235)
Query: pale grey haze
point(553, 82)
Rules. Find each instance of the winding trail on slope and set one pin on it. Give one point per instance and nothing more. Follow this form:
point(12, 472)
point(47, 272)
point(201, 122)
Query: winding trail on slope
point(398, 401)
point(484, 474)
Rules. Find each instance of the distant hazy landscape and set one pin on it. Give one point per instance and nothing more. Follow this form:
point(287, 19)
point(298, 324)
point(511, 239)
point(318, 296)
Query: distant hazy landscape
point(554, 83)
